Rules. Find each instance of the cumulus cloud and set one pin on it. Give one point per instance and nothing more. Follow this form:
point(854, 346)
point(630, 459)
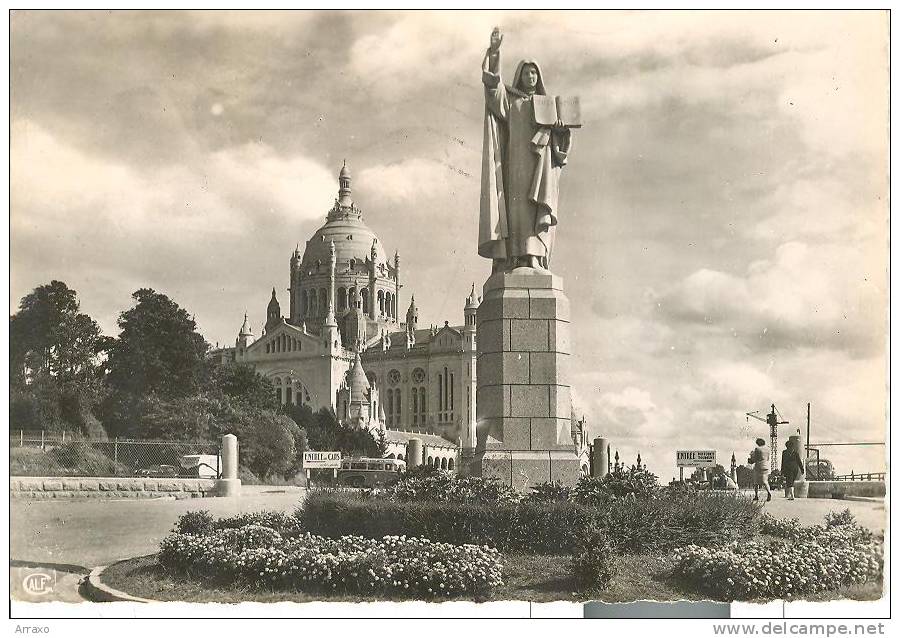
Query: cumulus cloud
point(830, 297)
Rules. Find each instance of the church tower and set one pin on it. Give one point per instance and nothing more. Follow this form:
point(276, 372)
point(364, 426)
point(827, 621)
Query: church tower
point(273, 312)
point(469, 312)
point(345, 198)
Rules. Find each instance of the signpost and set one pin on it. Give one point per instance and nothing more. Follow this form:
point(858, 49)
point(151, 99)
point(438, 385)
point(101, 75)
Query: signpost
point(694, 458)
point(321, 461)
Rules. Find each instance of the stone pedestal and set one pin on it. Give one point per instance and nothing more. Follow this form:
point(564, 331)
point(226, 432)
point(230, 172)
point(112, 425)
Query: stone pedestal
point(523, 401)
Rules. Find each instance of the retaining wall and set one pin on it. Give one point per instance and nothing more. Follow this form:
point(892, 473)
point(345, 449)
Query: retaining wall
point(842, 489)
point(87, 487)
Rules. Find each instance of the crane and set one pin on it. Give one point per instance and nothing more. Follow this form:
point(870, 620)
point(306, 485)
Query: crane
point(772, 419)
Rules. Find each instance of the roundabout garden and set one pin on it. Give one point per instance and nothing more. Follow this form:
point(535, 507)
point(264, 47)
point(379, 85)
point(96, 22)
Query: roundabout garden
point(435, 536)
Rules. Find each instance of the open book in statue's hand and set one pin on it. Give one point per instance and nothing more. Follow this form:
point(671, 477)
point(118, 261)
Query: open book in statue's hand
point(550, 109)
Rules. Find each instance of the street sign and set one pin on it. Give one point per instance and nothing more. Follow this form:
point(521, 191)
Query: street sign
point(695, 458)
point(321, 460)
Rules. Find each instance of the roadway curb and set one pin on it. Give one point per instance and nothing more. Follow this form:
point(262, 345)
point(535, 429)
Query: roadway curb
point(97, 592)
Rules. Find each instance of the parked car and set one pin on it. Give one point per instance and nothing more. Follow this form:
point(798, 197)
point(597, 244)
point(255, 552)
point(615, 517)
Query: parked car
point(158, 471)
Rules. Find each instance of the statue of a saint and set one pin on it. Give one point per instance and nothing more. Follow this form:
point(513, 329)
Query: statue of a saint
point(521, 165)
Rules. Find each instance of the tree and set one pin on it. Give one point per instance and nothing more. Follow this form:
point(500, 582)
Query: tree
point(55, 362)
point(159, 350)
point(270, 443)
point(325, 432)
point(243, 385)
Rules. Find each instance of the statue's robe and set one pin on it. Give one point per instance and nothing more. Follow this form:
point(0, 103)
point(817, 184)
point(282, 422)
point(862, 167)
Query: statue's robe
point(521, 166)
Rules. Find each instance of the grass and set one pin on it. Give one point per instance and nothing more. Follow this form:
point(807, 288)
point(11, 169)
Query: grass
point(526, 577)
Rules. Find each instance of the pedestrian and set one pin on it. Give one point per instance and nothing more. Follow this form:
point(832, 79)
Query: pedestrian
point(759, 459)
point(791, 467)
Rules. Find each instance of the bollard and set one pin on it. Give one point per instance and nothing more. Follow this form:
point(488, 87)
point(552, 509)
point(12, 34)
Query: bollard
point(414, 453)
point(229, 484)
point(801, 487)
point(601, 457)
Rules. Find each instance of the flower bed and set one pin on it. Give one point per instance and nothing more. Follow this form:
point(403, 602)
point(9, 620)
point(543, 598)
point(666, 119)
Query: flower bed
point(262, 558)
point(809, 560)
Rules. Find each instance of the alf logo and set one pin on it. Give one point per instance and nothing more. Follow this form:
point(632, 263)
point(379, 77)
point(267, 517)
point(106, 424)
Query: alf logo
point(35, 583)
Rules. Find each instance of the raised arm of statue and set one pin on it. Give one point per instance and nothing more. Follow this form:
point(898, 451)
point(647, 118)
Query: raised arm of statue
point(494, 91)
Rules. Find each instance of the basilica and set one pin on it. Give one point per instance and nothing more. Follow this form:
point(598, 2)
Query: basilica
point(345, 342)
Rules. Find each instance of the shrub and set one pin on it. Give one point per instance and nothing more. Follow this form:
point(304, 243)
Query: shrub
point(439, 485)
point(621, 483)
point(550, 491)
point(844, 531)
point(533, 526)
point(199, 522)
point(776, 569)
point(592, 561)
point(279, 521)
point(836, 519)
point(260, 557)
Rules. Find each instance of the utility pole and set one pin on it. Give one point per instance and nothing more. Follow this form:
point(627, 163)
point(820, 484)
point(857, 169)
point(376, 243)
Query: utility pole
point(807, 433)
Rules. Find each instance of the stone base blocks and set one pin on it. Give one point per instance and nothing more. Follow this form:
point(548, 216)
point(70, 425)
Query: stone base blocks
point(523, 401)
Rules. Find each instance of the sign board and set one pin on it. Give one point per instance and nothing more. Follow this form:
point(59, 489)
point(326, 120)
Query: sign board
point(695, 458)
point(321, 460)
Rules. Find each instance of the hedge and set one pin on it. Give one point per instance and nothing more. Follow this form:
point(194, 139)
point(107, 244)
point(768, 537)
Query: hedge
point(634, 525)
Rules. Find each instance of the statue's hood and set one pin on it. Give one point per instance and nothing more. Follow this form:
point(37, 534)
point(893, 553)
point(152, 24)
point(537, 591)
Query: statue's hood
point(538, 89)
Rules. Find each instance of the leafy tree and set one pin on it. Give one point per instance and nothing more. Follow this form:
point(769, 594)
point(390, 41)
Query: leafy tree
point(159, 350)
point(325, 432)
point(243, 385)
point(55, 362)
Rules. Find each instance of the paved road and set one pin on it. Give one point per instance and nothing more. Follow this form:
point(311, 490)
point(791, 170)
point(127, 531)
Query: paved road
point(93, 532)
point(99, 532)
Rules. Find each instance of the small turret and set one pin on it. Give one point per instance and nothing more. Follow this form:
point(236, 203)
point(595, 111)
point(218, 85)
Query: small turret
point(245, 334)
point(412, 315)
point(471, 309)
point(273, 312)
point(344, 192)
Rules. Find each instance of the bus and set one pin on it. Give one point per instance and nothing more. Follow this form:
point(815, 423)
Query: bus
point(370, 472)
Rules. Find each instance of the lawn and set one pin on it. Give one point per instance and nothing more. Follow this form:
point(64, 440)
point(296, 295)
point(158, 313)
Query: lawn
point(526, 577)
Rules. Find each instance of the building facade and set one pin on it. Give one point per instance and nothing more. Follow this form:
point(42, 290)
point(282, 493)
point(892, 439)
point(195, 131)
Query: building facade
point(344, 344)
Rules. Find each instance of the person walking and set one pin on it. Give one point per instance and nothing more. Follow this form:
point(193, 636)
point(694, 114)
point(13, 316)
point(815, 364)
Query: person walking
point(759, 459)
point(791, 467)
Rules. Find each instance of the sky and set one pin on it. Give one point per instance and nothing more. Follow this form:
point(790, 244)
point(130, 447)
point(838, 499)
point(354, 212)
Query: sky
point(723, 224)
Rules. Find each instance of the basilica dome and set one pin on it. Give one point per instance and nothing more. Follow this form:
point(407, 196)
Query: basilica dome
point(352, 238)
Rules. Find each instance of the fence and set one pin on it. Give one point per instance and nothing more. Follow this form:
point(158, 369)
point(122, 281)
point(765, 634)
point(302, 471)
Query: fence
point(39, 453)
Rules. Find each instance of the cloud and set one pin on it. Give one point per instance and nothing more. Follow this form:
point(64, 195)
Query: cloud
point(823, 297)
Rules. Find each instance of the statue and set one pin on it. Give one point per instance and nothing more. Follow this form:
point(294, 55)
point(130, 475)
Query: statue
point(524, 152)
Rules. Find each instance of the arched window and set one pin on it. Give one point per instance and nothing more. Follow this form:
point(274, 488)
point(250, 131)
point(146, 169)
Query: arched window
point(381, 302)
point(351, 298)
point(430, 462)
point(443, 464)
point(313, 304)
point(342, 298)
point(450, 464)
point(422, 411)
point(365, 300)
point(289, 395)
point(414, 402)
point(389, 397)
point(304, 302)
point(399, 457)
point(323, 301)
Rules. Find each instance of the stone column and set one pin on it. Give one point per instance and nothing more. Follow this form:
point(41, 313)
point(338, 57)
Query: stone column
point(523, 404)
point(801, 487)
point(229, 484)
point(600, 461)
point(414, 453)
